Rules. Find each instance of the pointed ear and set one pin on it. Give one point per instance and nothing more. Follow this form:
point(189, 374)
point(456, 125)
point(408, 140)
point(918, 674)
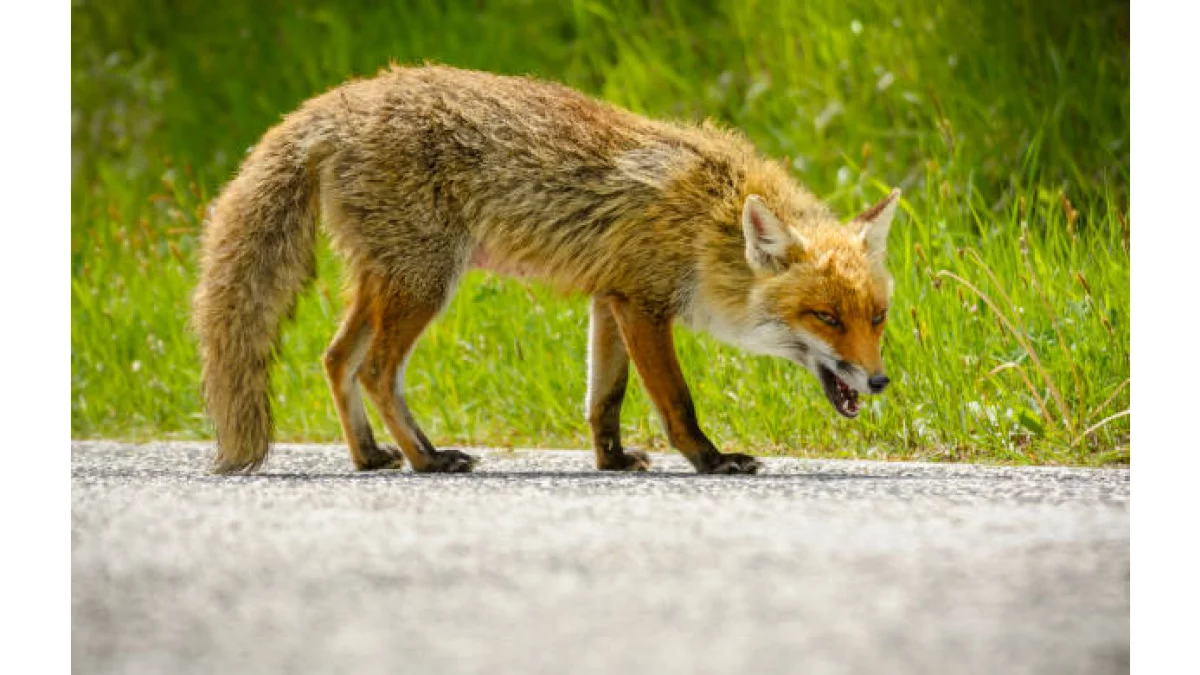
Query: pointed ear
point(875, 222)
point(767, 240)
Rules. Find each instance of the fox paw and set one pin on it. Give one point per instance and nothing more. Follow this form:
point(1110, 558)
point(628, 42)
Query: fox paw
point(628, 460)
point(382, 458)
point(448, 461)
point(733, 463)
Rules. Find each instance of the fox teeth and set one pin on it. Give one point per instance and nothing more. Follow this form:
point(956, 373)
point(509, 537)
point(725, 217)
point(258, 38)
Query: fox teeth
point(843, 397)
point(847, 397)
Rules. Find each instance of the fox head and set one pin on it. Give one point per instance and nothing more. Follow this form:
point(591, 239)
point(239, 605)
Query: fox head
point(819, 296)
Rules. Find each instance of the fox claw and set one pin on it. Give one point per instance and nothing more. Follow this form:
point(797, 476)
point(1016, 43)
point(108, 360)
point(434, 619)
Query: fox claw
point(449, 461)
point(382, 458)
point(629, 460)
point(734, 463)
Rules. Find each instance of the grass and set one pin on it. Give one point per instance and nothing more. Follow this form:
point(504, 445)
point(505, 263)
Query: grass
point(1007, 125)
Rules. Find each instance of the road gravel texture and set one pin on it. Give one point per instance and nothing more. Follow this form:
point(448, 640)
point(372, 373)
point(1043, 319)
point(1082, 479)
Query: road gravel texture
point(537, 563)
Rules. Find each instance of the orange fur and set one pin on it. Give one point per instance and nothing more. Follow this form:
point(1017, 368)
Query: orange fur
point(420, 173)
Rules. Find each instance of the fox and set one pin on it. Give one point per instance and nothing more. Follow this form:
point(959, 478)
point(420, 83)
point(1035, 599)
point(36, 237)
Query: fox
point(421, 173)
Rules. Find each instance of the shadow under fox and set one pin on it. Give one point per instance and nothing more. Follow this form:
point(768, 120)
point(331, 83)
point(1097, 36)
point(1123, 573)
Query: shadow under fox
point(421, 173)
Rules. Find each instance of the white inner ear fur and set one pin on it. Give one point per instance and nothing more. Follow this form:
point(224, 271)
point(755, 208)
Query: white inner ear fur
point(874, 229)
point(767, 239)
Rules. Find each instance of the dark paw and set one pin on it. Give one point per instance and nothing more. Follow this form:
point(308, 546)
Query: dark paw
point(448, 461)
point(734, 463)
point(629, 460)
point(382, 458)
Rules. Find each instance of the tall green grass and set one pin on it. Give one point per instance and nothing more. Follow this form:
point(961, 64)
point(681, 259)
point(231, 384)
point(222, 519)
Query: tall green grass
point(1007, 125)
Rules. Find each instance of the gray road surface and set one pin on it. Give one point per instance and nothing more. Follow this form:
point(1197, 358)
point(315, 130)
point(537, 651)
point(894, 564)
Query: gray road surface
point(538, 564)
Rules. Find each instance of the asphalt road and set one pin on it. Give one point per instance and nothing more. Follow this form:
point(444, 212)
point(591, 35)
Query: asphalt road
point(538, 564)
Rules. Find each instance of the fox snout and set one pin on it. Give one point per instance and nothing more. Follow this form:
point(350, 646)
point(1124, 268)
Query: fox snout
point(857, 374)
point(878, 383)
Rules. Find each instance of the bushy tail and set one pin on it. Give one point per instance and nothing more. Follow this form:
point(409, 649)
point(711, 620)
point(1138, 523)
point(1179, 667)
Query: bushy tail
point(258, 254)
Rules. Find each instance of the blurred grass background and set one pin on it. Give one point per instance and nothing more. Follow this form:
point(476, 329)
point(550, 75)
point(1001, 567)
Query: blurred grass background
point(1006, 123)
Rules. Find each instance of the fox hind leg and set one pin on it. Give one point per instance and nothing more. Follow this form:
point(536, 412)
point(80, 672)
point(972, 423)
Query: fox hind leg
point(608, 375)
point(397, 320)
point(343, 360)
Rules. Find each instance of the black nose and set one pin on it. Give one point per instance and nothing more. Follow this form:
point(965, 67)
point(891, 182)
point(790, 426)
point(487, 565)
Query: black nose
point(878, 382)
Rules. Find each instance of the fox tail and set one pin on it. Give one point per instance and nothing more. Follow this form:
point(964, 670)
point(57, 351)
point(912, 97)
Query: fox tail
point(258, 254)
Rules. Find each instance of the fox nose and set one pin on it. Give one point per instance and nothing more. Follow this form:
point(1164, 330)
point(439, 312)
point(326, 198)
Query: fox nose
point(878, 382)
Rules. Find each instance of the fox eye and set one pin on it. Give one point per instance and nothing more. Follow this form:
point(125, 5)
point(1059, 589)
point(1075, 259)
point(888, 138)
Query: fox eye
point(828, 319)
point(878, 318)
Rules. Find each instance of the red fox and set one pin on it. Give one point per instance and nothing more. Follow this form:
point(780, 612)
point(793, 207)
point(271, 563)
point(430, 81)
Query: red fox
point(421, 173)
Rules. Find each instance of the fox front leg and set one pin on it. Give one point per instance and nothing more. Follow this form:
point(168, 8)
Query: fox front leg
point(651, 345)
point(608, 375)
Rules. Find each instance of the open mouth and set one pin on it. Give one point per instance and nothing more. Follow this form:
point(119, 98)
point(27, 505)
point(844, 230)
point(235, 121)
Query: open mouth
point(842, 396)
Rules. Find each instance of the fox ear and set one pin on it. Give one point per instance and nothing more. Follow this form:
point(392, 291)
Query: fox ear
point(875, 222)
point(767, 240)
